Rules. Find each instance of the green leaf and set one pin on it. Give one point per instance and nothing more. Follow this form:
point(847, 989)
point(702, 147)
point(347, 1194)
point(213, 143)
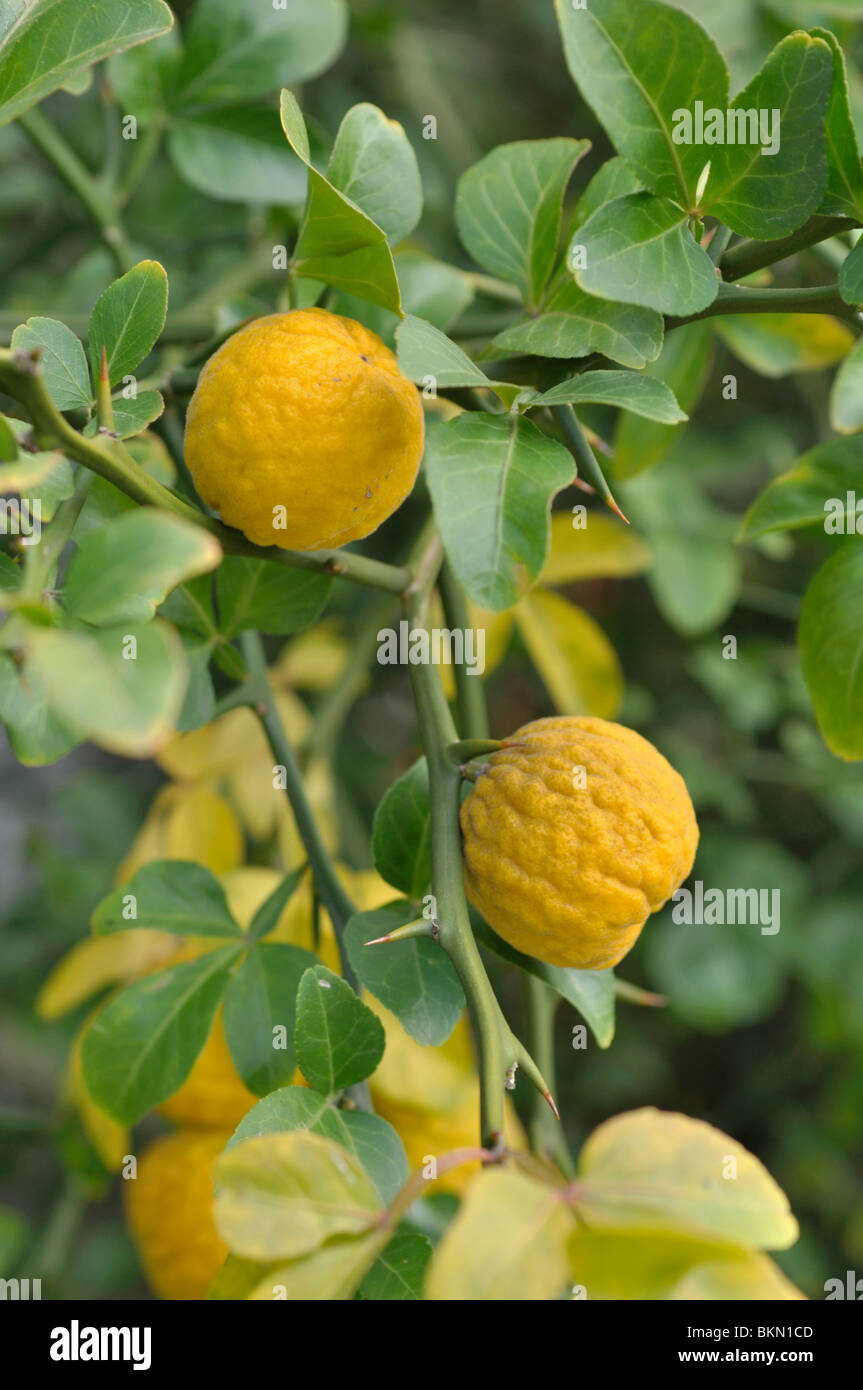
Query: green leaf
point(46, 45)
point(243, 52)
point(143, 79)
point(338, 244)
point(851, 276)
point(488, 1257)
point(372, 1141)
point(770, 195)
point(373, 164)
point(338, 1040)
point(36, 735)
point(426, 354)
point(846, 393)
point(801, 496)
point(831, 641)
point(683, 365)
point(62, 360)
point(639, 250)
point(591, 992)
point(237, 156)
point(636, 65)
point(414, 979)
point(397, 1274)
point(127, 320)
point(142, 1045)
point(266, 919)
point(95, 687)
point(401, 837)
point(575, 324)
point(273, 599)
point(774, 345)
point(571, 654)
point(170, 895)
point(508, 208)
point(284, 1195)
point(642, 395)
point(614, 179)
point(652, 1171)
point(492, 479)
point(844, 195)
point(121, 573)
point(260, 1014)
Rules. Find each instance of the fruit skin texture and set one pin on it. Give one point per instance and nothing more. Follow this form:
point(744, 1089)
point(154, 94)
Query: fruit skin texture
point(570, 874)
point(306, 411)
point(169, 1207)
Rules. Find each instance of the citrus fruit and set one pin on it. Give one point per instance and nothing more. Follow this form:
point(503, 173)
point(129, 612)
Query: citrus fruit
point(302, 432)
point(169, 1207)
point(574, 832)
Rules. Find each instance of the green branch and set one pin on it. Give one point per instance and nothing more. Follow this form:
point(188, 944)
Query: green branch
point(259, 696)
point(97, 198)
point(749, 256)
point(742, 299)
point(473, 714)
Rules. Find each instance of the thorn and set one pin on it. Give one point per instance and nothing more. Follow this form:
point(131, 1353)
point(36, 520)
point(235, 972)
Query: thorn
point(546, 1095)
point(103, 372)
point(585, 487)
point(420, 927)
point(614, 507)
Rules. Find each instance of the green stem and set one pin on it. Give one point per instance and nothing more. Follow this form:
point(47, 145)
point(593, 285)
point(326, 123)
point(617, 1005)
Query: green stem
point(261, 699)
point(95, 197)
point(742, 299)
point(546, 1135)
point(177, 329)
point(749, 256)
point(47, 555)
point(473, 714)
point(588, 468)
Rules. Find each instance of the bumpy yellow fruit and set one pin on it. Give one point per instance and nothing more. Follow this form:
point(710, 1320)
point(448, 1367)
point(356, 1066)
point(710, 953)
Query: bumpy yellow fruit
point(302, 432)
point(169, 1206)
point(573, 834)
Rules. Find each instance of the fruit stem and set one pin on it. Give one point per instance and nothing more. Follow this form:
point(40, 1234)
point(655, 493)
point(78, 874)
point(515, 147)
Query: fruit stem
point(546, 1135)
point(472, 712)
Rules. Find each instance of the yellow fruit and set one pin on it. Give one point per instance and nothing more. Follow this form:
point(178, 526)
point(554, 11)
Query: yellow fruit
point(302, 432)
point(573, 834)
point(169, 1206)
point(212, 1096)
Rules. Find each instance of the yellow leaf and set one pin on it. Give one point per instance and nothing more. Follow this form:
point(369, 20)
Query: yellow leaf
point(744, 1276)
point(280, 1196)
point(332, 1274)
point(508, 1243)
point(775, 344)
point(187, 822)
point(637, 1265)
point(602, 549)
point(93, 964)
point(650, 1170)
point(572, 655)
